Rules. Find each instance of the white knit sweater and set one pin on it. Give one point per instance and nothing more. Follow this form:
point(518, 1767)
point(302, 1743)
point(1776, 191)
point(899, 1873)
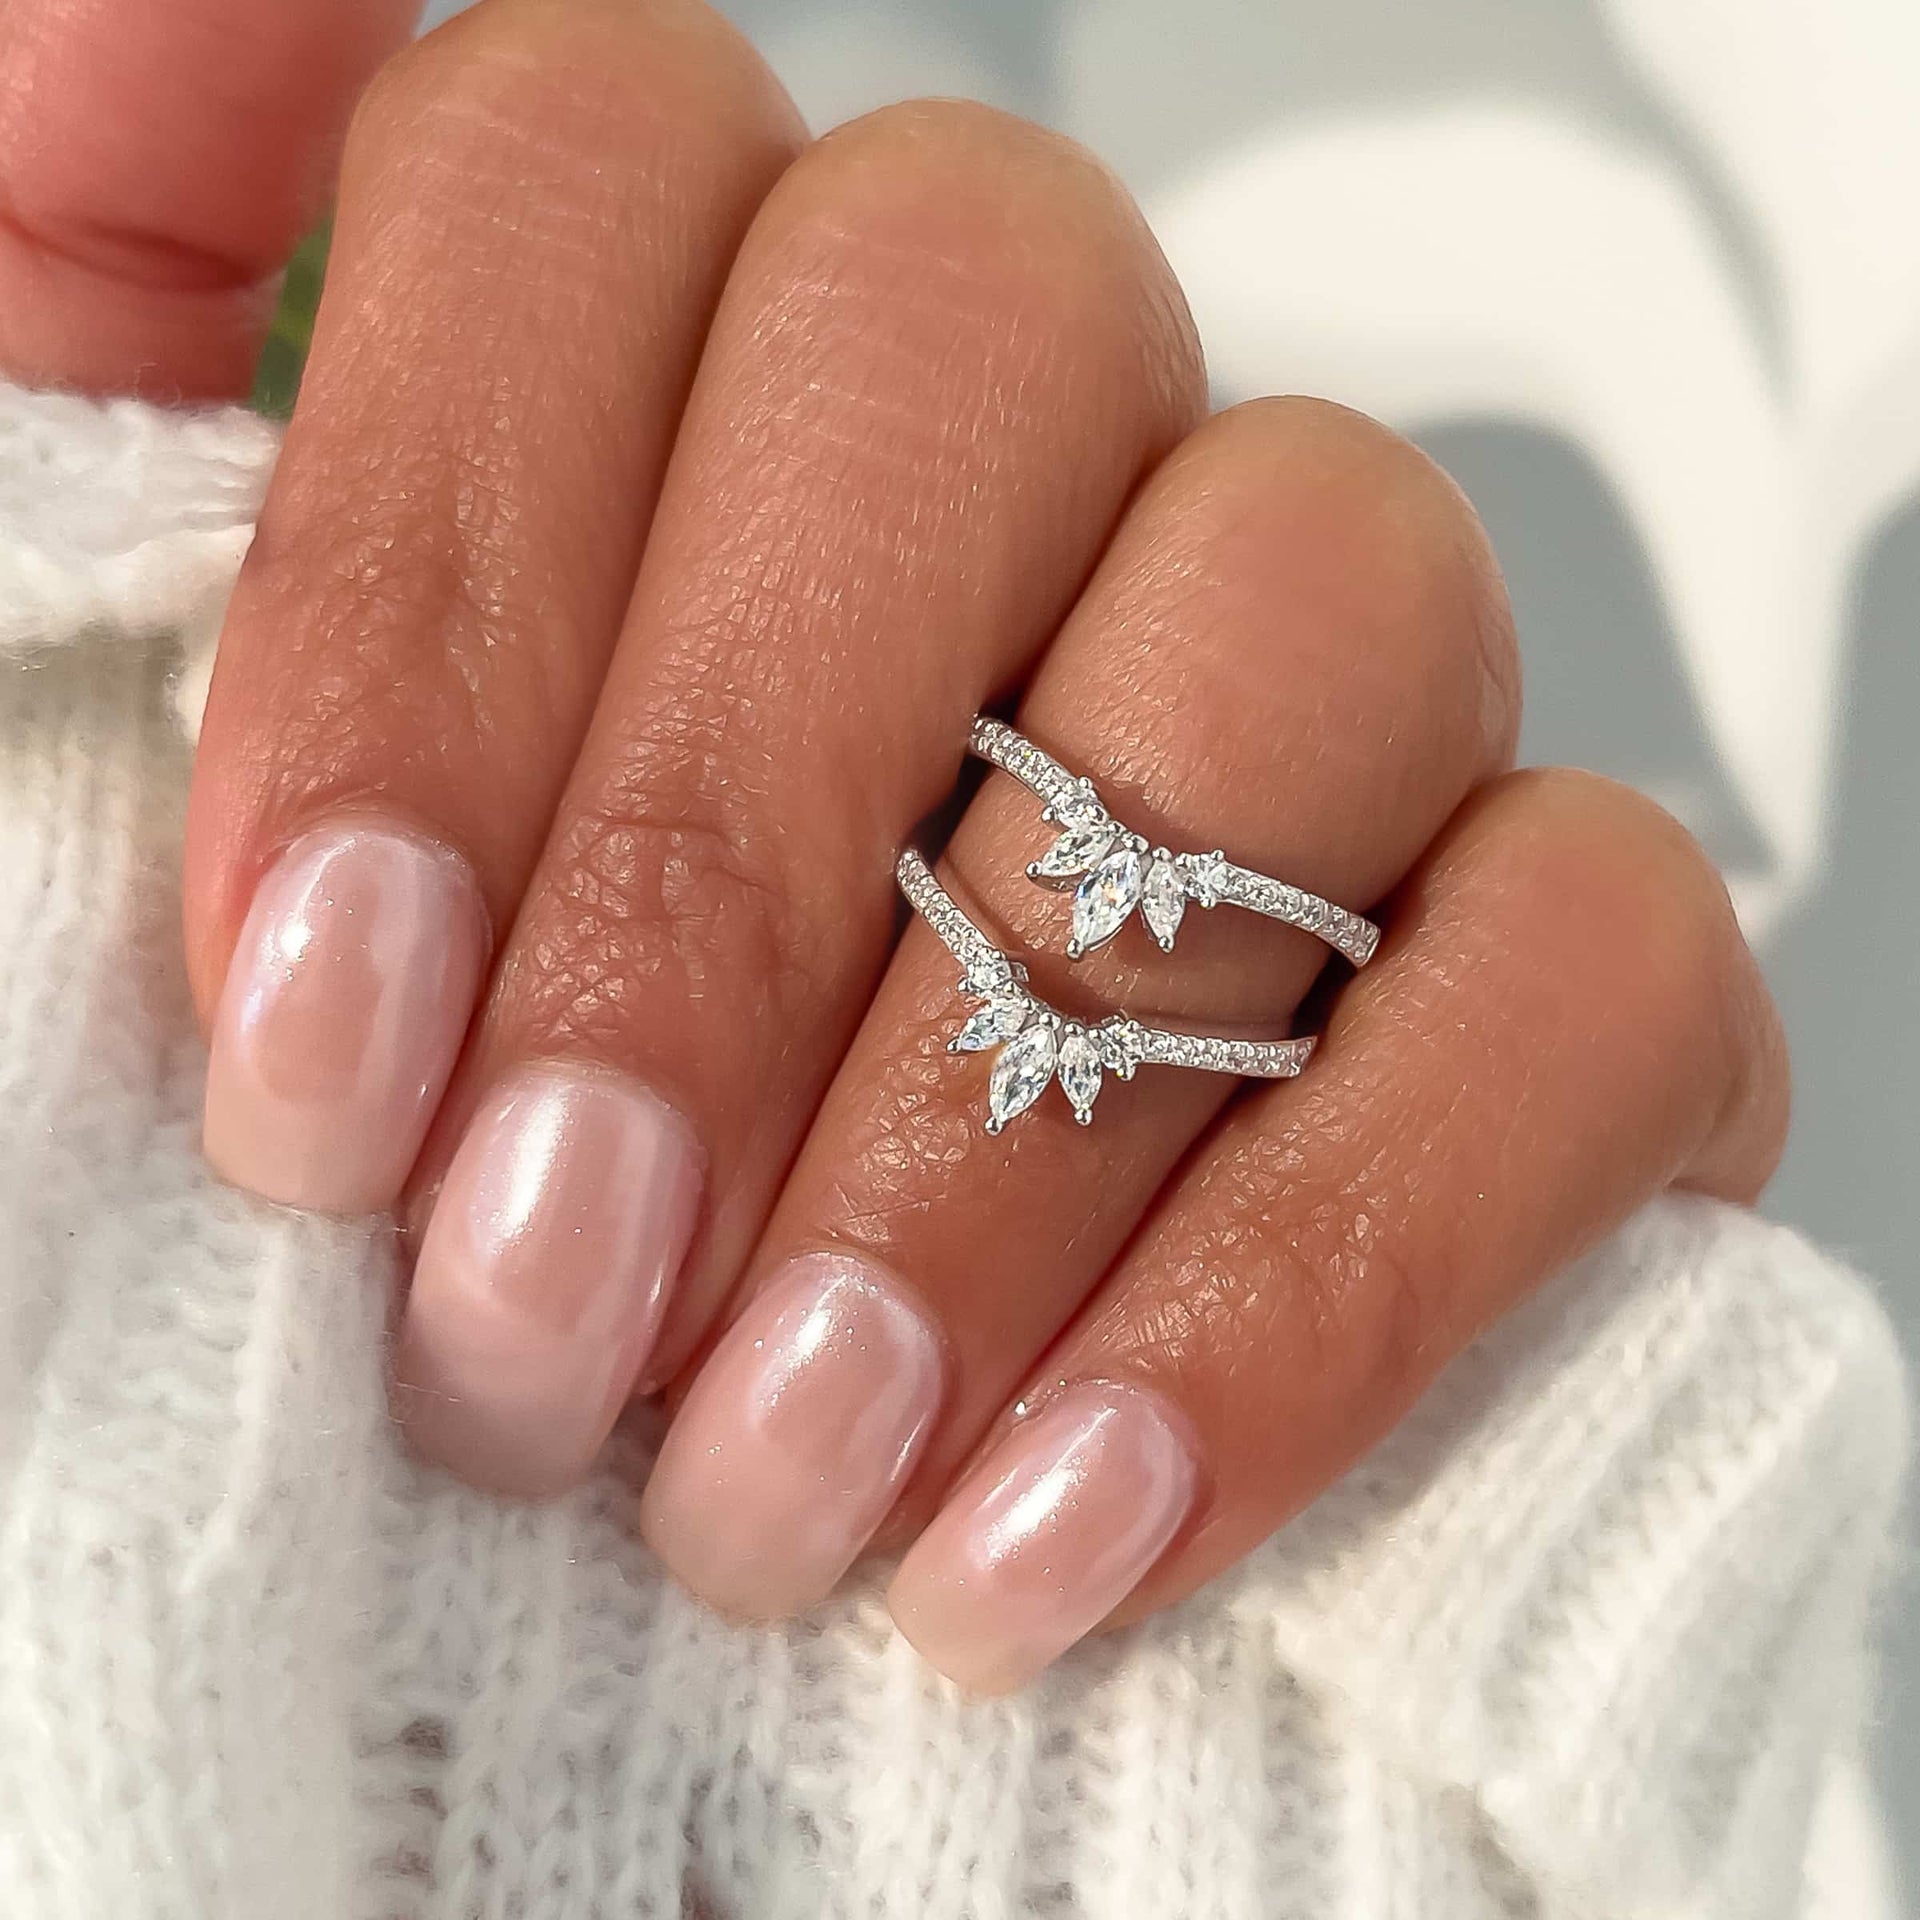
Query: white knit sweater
point(1584, 1638)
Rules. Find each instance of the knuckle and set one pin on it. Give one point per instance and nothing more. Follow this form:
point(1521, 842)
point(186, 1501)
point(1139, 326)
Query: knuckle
point(431, 79)
point(1372, 1312)
point(508, 74)
point(1357, 1303)
point(1615, 874)
point(1382, 537)
point(1017, 229)
point(1303, 1269)
point(911, 1152)
point(1638, 865)
point(925, 144)
point(417, 558)
point(639, 897)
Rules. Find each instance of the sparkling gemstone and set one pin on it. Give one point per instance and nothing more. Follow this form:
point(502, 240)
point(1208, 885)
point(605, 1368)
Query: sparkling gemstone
point(1110, 1042)
point(1080, 806)
point(1021, 1073)
point(988, 975)
point(1080, 1072)
point(1078, 849)
point(1209, 876)
point(1104, 898)
point(998, 1020)
point(1163, 900)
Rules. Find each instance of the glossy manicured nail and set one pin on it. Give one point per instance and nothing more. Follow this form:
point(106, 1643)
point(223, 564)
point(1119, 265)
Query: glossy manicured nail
point(345, 1005)
point(543, 1275)
point(1047, 1536)
point(797, 1435)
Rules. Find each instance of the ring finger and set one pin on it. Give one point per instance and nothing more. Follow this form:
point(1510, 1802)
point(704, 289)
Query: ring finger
point(1298, 647)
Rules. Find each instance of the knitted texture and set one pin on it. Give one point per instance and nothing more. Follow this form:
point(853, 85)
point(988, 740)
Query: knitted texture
point(1582, 1639)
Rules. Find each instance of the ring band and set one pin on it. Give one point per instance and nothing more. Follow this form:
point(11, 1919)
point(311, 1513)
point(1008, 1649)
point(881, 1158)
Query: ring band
point(1113, 870)
point(1038, 1044)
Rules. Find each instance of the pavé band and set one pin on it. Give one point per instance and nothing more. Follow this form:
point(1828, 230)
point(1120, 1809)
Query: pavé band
point(1038, 1044)
point(1112, 870)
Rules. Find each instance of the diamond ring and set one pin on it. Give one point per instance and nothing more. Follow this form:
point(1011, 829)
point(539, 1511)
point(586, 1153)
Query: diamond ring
point(1112, 871)
point(1038, 1044)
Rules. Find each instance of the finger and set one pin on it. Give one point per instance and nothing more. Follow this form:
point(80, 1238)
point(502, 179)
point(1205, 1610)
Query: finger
point(1297, 647)
point(539, 206)
point(948, 352)
point(1564, 1022)
point(159, 159)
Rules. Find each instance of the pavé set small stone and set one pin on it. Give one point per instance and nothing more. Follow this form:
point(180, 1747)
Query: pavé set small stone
point(1112, 872)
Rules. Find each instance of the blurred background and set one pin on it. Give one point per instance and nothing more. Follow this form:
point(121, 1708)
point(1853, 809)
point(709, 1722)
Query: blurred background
point(1645, 275)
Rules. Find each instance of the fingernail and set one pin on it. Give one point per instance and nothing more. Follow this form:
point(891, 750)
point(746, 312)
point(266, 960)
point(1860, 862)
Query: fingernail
point(544, 1274)
point(344, 1008)
point(796, 1437)
point(1046, 1537)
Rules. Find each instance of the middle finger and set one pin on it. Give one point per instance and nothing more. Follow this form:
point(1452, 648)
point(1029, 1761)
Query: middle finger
point(890, 479)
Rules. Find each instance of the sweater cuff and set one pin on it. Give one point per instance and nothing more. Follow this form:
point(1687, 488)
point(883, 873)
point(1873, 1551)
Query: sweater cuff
point(1682, 1458)
point(124, 520)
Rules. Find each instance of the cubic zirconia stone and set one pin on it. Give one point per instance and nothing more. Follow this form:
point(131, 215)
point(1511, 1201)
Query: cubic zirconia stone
point(1163, 900)
point(1021, 1073)
point(1209, 877)
point(1077, 851)
point(1080, 1072)
point(1077, 805)
point(998, 1020)
point(1104, 898)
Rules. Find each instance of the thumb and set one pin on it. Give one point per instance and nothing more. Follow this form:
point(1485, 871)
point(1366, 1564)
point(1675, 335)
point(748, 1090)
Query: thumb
point(159, 159)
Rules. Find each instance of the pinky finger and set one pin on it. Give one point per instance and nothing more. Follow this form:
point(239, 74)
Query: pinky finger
point(1566, 1024)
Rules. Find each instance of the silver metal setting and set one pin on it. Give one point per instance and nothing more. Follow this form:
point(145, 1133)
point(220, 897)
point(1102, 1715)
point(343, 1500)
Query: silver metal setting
point(1113, 871)
point(1038, 1045)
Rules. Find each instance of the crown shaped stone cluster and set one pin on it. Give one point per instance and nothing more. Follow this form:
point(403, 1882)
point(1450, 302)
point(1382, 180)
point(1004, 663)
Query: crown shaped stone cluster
point(1038, 1046)
point(1112, 873)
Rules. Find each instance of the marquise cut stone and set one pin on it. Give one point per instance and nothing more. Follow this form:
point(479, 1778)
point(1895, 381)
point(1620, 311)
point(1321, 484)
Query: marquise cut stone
point(1104, 898)
point(1080, 1072)
point(1075, 852)
point(998, 1020)
point(1163, 900)
point(1021, 1073)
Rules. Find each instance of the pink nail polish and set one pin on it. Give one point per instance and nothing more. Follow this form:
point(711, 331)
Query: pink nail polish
point(1047, 1536)
point(795, 1439)
point(543, 1275)
point(344, 1008)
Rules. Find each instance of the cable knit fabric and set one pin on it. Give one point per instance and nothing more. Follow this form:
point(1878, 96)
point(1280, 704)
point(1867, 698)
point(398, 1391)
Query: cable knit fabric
point(1584, 1638)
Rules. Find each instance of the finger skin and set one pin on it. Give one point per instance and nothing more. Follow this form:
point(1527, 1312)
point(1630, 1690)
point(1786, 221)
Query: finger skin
point(1299, 609)
point(947, 354)
point(159, 159)
point(539, 205)
point(538, 208)
point(1564, 1022)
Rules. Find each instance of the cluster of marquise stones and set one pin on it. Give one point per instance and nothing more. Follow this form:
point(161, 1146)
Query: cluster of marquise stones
point(1037, 1045)
point(1112, 872)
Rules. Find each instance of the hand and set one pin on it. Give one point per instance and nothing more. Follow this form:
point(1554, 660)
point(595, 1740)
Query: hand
point(666, 495)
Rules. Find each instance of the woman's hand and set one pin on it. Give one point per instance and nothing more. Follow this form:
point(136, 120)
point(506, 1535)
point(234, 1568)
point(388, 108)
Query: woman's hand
point(666, 495)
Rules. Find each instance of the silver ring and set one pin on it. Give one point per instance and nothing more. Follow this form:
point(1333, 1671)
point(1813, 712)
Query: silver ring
point(1038, 1044)
point(1112, 870)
